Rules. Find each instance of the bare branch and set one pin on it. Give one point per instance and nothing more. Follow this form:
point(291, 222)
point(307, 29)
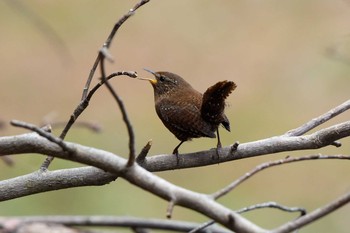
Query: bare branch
point(314, 215)
point(42, 132)
point(132, 153)
point(135, 175)
point(112, 221)
point(53, 180)
point(81, 107)
point(319, 120)
point(272, 205)
point(254, 207)
point(264, 166)
point(141, 157)
point(108, 43)
point(170, 209)
point(319, 139)
point(84, 100)
point(202, 226)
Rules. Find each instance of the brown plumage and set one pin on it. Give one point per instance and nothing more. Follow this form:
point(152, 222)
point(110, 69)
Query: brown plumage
point(185, 111)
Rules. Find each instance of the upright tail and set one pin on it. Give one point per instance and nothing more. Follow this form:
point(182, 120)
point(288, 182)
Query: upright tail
point(213, 103)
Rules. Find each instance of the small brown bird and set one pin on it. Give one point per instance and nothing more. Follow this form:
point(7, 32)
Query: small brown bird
point(186, 112)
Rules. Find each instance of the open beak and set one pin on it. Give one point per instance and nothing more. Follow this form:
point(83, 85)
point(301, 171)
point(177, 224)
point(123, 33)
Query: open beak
point(152, 81)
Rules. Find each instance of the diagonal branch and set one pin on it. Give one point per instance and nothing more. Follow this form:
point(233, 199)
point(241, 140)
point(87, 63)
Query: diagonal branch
point(132, 153)
point(108, 43)
point(319, 120)
point(314, 215)
point(84, 103)
point(81, 107)
point(264, 166)
point(137, 176)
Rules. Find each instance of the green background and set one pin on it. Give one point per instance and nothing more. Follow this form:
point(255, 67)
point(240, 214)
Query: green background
point(290, 60)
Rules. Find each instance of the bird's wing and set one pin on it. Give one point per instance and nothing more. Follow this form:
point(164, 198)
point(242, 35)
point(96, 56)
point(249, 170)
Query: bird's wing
point(184, 120)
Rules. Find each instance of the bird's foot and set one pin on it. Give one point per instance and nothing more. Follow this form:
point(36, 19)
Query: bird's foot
point(217, 150)
point(176, 153)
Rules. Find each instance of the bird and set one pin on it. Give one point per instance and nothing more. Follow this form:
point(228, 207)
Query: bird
point(186, 112)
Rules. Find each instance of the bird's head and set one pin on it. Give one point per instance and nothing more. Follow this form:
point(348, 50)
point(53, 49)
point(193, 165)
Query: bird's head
point(165, 82)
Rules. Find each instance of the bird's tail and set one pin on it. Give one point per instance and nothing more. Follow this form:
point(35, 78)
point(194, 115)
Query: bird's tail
point(213, 103)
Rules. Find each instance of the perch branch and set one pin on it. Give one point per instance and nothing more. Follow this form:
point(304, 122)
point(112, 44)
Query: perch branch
point(136, 175)
point(316, 140)
point(33, 143)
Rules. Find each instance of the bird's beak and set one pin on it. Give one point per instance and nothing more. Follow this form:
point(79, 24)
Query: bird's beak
point(152, 81)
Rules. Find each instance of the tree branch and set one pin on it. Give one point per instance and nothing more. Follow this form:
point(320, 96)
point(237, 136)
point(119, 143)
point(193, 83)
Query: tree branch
point(135, 175)
point(53, 180)
point(132, 153)
point(319, 139)
point(84, 100)
point(314, 215)
point(264, 166)
point(108, 43)
point(111, 221)
point(319, 120)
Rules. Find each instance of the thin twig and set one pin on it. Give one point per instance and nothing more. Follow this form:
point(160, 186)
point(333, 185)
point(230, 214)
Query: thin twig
point(42, 132)
point(254, 207)
point(141, 157)
point(108, 43)
point(111, 221)
point(273, 205)
point(84, 99)
point(202, 226)
point(132, 154)
point(314, 215)
point(93, 126)
point(170, 209)
point(81, 107)
point(319, 120)
point(264, 166)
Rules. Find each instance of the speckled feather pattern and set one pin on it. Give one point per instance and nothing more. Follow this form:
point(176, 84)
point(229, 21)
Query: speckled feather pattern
point(180, 108)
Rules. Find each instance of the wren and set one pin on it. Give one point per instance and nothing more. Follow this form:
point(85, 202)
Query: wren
point(186, 112)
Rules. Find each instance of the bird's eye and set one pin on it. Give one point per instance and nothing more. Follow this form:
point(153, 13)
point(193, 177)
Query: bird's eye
point(162, 78)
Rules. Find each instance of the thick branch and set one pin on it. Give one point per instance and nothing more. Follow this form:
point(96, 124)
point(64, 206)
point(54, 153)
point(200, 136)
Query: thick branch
point(112, 221)
point(53, 180)
point(32, 143)
point(134, 174)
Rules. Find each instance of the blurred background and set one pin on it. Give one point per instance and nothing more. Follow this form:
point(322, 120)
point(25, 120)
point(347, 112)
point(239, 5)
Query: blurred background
point(290, 60)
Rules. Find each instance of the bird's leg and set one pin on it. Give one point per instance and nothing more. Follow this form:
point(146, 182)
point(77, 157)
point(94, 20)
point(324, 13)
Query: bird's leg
point(176, 152)
point(218, 146)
